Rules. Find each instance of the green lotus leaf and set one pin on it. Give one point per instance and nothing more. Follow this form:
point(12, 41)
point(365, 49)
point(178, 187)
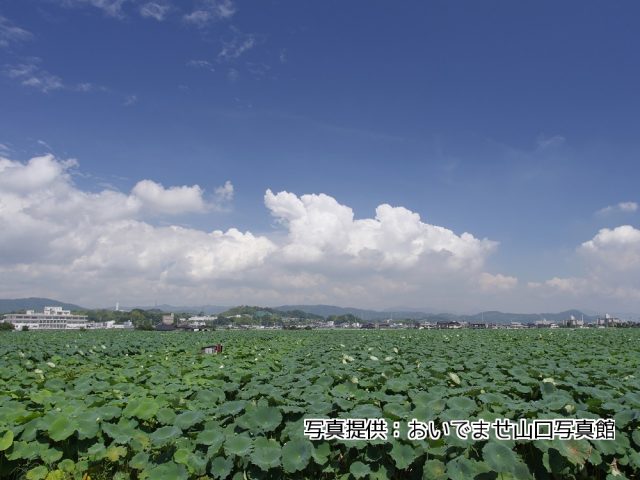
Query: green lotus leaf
point(37, 473)
point(612, 447)
point(239, 445)
point(434, 470)
point(109, 412)
point(50, 455)
point(461, 468)
point(61, 428)
point(96, 451)
point(23, 450)
point(396, 411)
point(188, 419)
point(365, 411)
point(359, 470)
point(321, 452)
point(165, 435)
point(499, 457)
point(139, 461)
point(121, 432)
point(197, 464)
point(231, 408)
point(575, 451)
point(166, 416)
point(88, 425)
point(42, 397)
point(296, 455)
point(266, 453)
point(318, 408)
point(462, 403)
point(210, 397)
point(397, 385)
point(214, 438)
point(265, 418)
point(181, 456)
point(167, 471)
point(625, 417)
point(6, 440)
point(67, 465)
point(114, 453)
point(140, 441)
point(142, 408)
point(220, 467)
point(402, 455)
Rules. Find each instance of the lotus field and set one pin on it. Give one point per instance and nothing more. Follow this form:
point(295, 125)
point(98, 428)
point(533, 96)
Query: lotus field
point(149, 405)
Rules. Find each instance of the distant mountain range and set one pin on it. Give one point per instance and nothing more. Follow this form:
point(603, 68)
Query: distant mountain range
point(207, 309)
point(488, 317)
point(369, 315)
point(35, 303)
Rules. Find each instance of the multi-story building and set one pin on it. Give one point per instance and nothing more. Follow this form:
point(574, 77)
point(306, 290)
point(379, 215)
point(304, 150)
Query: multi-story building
point(607, 321)
point(573, 322)
point(52, 318)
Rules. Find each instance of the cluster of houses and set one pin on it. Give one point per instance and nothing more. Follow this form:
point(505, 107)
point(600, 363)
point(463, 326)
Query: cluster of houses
point(571, 322)
point(55, 318)
point(205, 322)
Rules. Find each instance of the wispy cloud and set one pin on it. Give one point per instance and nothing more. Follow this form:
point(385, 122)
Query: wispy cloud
point(622, 207)
point(87, 87)
point(209, 11)
point(155, 10)
point(258, 69)
point(204, 64)
point(32, 76)
point(544, 141)
point(239, 44)
point(4, 149)
point(130, 100)
point(112, 8)
point(11, 33)
point(233, 74)
point(45, 145)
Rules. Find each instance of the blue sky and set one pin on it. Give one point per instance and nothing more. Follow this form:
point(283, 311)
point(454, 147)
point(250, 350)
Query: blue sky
point(514, 122)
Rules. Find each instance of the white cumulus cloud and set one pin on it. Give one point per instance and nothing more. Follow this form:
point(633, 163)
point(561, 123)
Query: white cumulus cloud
point(611, 264)
point(173, 200)
point(615, 249)
point(57, 239)
point(497, 282)
point(318, 227)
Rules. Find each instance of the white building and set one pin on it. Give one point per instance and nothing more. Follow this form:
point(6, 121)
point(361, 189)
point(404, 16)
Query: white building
point(53, 318)
point(109, 325)
point(201, 320)
point(544, 323)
